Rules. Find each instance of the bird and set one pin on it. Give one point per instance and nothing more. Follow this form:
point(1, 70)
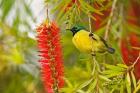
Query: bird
point(89, 42)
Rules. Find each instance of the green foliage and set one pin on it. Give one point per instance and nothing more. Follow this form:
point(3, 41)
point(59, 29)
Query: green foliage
point(19, 69)
point(71, 13)
point(6, 6)
point(105, 73)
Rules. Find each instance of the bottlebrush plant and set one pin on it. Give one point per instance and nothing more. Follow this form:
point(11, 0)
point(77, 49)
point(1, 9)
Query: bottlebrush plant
point(130, 53)
point(112, 20)
point(131, 42)
point(51, 60)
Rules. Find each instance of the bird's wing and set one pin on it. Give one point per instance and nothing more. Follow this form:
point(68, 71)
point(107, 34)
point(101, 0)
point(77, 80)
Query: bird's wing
point(92, 36)
point(104, 42)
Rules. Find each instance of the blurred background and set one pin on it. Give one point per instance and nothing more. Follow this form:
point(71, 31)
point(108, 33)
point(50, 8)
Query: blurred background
point(19, 67)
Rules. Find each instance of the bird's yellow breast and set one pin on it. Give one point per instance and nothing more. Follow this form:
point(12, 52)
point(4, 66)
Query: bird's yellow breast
point(84, 43)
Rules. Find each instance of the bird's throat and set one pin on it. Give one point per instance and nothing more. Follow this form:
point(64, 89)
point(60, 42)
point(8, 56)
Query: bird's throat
point(74, 32)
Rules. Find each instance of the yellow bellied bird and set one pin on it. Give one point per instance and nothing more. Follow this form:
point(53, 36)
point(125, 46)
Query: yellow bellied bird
point(89, 42)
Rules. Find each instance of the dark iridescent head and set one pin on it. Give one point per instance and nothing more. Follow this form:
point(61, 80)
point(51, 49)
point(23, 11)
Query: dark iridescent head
point(75, 29)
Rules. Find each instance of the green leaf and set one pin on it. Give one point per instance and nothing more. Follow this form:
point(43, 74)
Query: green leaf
point(114, 74)
point(137, 89)
point(6, 7)
point(112, 90)
point(122, 66)
point(28, 10)
point(68, 82)
point(88, 66)
point(101, 90)
point(92, 86)
point(16, 56)
point(85, 84)
point(114, 68)
point(122, 89)
point(128, 83)
point(104, 78)
point(80, 91)
point(133, 79)
point(16, 21)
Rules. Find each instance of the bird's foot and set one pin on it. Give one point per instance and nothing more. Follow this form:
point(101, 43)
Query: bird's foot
point(91, 35)
point(93, 54)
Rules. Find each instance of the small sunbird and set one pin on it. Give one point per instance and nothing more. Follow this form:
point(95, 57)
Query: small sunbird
point(89, 42)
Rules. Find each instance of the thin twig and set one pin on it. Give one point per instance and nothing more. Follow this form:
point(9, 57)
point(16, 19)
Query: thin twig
point(89, 20)
point(136, 61)
point(110, 19)
point(47, 12)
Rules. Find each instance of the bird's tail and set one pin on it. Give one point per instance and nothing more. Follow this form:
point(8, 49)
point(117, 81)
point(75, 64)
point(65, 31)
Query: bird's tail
point(111, 50)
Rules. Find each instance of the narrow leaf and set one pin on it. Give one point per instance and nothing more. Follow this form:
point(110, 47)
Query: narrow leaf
point(128, 83)
point(68, 82)
point(137, 89)
point(112, 67)
point(133, 79)
point(6, 7)
point(104, 78)
point(122, 65)
point(92, 86)
point(85, 84)
point(80, 91)
point(122, 89)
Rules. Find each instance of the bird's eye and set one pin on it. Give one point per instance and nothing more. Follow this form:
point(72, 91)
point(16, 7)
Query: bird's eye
point(76, 28)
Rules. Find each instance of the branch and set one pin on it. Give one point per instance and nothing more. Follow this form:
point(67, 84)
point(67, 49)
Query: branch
point(47, 12)
point(110, 19)
point(136, 61)
point(89, 20)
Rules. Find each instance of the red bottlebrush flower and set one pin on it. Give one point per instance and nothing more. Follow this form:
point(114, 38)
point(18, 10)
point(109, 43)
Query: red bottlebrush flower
point(51, 60)
point(136, 11)
point(129, 53)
